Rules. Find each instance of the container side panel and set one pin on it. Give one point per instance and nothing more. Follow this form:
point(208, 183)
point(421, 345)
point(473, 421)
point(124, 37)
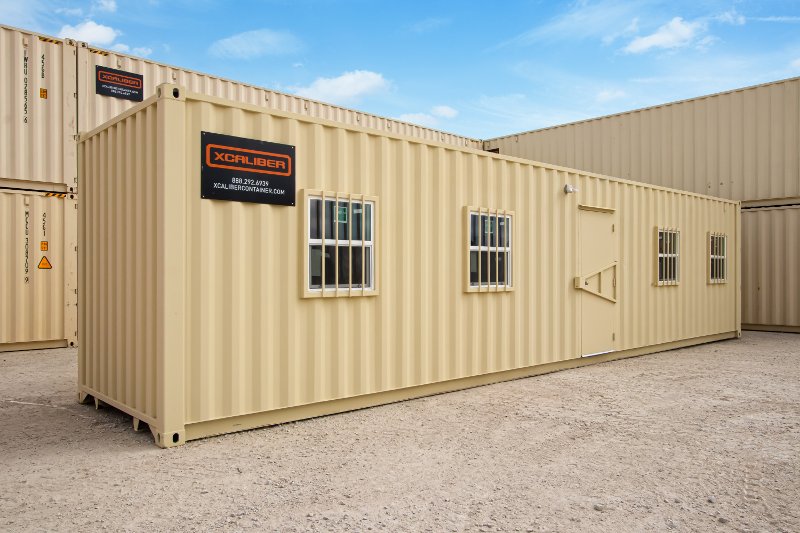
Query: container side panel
point(253, 344)
point(97, 109)
point(37, 128)
point(33, 248)
point(771, 278)
point(740, 145)
point(117, 279)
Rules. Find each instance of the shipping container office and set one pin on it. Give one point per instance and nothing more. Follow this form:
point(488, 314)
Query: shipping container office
point(38, 270)
point(38, 106)
point(202, 316)
point(741, 144)
point(771, 268)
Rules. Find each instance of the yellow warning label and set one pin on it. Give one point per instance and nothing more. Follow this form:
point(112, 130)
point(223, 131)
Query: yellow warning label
point(44, 263)
point(43, 246)
point(43, 93)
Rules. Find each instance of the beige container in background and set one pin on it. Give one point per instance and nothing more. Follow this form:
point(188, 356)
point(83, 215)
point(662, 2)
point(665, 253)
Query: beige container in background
point(740, 144)
point(97, 109)
point(38, 106)
point(38, 270)
point(196, 316)
point(47, 96)
point(771, 266)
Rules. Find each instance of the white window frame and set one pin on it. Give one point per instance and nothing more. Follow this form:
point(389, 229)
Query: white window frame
point(368, 247)
point(670, 276)
point(508, 248)
point(717, 242)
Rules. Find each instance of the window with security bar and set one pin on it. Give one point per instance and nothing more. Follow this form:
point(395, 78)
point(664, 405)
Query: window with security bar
point(340, 248)
point(669, 256)
point(489, 250)
point(718, 258)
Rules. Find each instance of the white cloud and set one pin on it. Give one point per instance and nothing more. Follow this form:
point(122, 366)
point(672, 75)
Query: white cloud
point(91, 32)
point(348, 87)
point(606, 20)
point(796, 63)
point(516, 112)
point(608, 95)
point(789, 20)
point(706, 42)
point(444, 111)
point(630, 29)
point(140, 51)
point(422, 119)
point(430, 119)
point(429, 24)
point(676, 33)
point(298, 65)
point(106, 6)
point(70, 11)
point(732, 17)
point(256, 43)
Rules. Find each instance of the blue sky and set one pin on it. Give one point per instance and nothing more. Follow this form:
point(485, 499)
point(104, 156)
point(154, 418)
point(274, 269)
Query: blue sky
point(480, 69)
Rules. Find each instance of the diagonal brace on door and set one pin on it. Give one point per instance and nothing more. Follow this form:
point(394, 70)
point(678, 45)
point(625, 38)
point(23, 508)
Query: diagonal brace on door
point(582, 282)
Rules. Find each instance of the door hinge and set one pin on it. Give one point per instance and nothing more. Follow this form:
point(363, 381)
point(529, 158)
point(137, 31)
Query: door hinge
point(613, 336)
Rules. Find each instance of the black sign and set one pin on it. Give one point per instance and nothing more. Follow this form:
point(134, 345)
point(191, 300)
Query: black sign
point(246, 170)
point(118, 83)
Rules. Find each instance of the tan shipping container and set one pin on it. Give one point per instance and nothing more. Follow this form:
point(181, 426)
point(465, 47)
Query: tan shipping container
point(38, 106)
point(97, 109)
point(740, 144)
point(38, 270)
point(47, 96)
point(201, 316)
point(771, 267)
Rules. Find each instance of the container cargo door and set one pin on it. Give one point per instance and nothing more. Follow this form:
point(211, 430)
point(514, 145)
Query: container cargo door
point(597, 283)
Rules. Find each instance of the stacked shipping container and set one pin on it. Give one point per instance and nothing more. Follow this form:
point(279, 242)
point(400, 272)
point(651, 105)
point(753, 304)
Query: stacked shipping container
point(48, 94)
point(741, 144)
point(38, 175)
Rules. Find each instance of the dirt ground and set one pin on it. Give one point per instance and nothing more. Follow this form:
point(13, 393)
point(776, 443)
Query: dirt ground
point(695, 439)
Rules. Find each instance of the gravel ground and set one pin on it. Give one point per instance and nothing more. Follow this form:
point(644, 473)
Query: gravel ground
point(695, 439)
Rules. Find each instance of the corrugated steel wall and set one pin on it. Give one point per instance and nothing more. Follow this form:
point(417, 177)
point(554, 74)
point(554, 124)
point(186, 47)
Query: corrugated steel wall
point(37, 304)
point(95, 110)
point(771, 268)
point(37, 106)
point(118, 278)
point(223, 279)
point(741, 144)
